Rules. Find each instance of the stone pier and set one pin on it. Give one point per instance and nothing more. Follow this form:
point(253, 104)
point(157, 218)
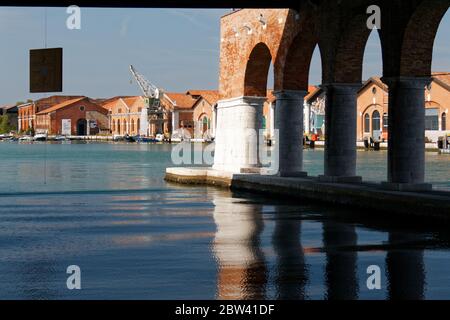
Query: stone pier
point(289, 123)
point(406, 148)
point(340, 133)
point(238, 123)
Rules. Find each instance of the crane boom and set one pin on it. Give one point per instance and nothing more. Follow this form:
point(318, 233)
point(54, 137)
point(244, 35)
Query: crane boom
point(153, 112)
point(148, 89)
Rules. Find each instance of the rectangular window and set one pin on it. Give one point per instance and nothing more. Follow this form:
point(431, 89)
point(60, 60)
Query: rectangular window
point(431, 119)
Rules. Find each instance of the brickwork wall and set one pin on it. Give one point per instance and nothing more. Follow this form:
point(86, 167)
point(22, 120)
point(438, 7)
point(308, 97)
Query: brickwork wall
point(252, 39)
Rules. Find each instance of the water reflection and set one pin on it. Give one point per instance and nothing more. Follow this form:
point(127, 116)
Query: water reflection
point(291, 272)
point(405, 267)
point(339, 242)
point(243, 268)
point(37, 280)
point(242, 272)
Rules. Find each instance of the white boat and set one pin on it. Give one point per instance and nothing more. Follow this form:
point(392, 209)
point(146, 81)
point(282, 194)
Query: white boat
point(159, 137)
point(118, 137)
point(26, 138)
point(40, 137)
point(61, 138)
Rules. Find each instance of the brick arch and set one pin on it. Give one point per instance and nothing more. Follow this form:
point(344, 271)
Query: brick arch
point(298, 61)
point(257, 70)
point(348, 64)
point(418, 41)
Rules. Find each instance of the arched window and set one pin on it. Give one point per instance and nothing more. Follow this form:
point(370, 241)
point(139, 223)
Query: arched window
point(125, 129)
point(444, 121)
point(376, 121)
point(132, 125)
point(138, 122)
point(113, 125)
point(366, 123)
point(118, 126)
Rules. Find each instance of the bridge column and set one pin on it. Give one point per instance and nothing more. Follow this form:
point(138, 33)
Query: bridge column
point(406, 147)
point(237, 137)
point(289, 123)
point(340, 133)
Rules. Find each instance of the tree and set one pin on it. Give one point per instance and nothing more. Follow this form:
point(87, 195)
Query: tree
point(4, 124)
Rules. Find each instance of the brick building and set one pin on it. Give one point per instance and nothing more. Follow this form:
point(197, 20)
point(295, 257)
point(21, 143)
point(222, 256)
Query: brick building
point(27, 111)
point(125, 115)
point(204, 115)
point(181, 109)
point(80, 116)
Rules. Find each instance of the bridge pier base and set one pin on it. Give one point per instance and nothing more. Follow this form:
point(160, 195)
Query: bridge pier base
point(237, 137)
point(406, 148)
point(289, 123)
point(340, 133)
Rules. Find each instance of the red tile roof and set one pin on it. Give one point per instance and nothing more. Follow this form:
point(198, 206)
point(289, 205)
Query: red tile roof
point(130, 101)
point(212, 96)
point(444, 77)
point(181, 100)
point(61, 105)
point(312, 90)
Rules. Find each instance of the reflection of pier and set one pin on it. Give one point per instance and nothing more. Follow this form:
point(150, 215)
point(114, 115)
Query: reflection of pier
point(340, 273)
point(405, 269)
point(244, 272)
point(291, 273)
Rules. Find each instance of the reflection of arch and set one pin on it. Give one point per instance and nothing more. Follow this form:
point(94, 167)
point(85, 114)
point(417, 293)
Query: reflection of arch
point(81, 127)
point(256, 72)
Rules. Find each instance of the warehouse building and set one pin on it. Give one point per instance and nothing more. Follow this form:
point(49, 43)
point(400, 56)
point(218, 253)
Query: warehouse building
point(80, 117)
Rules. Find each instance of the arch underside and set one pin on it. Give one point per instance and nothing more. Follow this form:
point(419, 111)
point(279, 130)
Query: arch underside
point(257, 69)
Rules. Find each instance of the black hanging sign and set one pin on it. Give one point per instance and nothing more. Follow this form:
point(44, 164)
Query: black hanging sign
point(46, 70)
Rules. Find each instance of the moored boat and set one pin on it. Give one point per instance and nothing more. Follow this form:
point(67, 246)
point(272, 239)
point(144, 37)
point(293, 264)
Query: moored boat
point(40, 137)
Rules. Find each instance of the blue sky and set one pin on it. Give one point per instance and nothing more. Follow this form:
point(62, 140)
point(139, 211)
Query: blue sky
point(176, 49)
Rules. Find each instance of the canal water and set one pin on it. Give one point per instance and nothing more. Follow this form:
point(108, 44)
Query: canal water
point(106, 208)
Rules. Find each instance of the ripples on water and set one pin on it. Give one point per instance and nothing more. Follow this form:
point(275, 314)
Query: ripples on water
point(106, 208)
